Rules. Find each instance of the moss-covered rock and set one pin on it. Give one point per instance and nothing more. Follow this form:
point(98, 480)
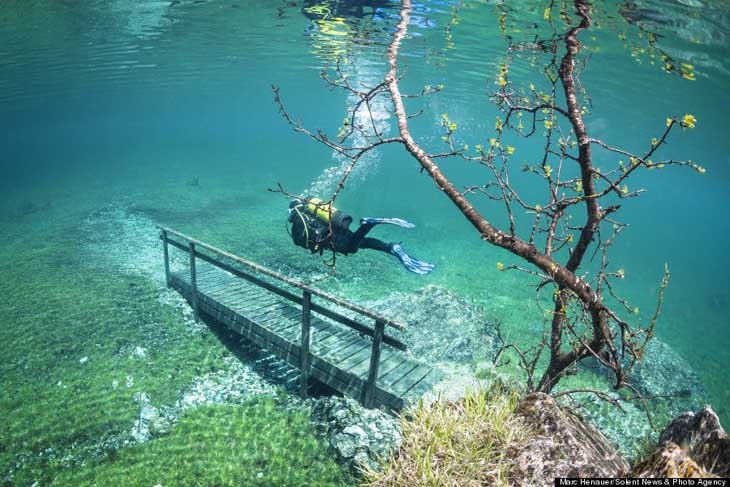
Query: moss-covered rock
point(669, 461)
point(702, 436)
point(359, 437)
point(560, 444)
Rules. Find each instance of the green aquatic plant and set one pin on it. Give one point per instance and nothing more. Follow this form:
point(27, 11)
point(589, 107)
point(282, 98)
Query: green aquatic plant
point(71, 399)
point(466, 442)
point(257, 443)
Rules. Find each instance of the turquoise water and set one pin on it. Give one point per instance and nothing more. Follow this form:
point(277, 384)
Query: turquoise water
point(112, 110)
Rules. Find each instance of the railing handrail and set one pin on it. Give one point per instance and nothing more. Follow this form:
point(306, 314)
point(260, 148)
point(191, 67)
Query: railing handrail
point(288, 280)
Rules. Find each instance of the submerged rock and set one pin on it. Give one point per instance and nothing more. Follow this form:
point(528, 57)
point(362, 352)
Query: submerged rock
point(358, 436)
point(147, 414)
point(561, 445)
point(664, 377)
point(138, 352)
point(702, 436)
point(663, 371)
point(234, 385)
point(443, 327)
point(669, 461)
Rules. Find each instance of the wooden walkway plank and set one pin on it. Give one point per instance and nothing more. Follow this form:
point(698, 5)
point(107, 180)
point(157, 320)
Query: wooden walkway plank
point(340, 336)
point(323, 330)
point(388, 366)
point(355, 359)
point(264, 319)
point(332, 376)
point(276, 324)
point(245, 304)
point(212, 282)
point(254, 294)
point(336, 352)
point(292, 333)
point(387, 380)
point(227, 290)
point(212, 275)
point(288, 317)
point(230, 291)
point(208, 273)
point(320, 370)
point(405, 383)
point(425, 385)
point(287, 350)
point(289, 329)
point(248, 308)
point(361, 369)
point(224, 293)
point(292, 314)
point(267, 309)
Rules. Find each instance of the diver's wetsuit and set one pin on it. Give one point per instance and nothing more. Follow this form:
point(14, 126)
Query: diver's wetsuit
point(316, 235)
point(348, 242)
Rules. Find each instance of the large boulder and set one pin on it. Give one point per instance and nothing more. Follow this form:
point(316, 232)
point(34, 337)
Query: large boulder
point(560, 444)
point(669, 461)
point(702, 436)
point(359, 437)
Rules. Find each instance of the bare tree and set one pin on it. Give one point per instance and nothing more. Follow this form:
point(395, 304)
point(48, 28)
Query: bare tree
point(586, 316)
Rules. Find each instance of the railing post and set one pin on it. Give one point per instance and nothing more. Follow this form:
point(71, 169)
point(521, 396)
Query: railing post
point(193, 280)
point(304, 358)
point(369, 392)
point(167, 258)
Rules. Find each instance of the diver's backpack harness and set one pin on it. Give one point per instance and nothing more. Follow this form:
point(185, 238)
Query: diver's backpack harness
point(327, 213)
point(318, 221)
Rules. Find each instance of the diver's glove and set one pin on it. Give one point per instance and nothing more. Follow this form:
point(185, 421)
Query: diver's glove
point(413, 265)
point(392, 221)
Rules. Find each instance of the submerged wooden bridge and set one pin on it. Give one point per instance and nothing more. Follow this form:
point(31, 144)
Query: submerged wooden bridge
point(278, 313)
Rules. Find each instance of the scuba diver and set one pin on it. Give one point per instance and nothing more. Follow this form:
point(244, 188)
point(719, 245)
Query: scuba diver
point(319, 226)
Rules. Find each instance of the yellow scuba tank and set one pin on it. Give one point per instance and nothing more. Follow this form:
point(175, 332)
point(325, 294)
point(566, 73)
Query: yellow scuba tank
point(327, 213)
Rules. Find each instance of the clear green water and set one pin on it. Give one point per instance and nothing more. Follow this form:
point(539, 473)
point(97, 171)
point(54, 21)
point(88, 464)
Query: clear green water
point(110, 108)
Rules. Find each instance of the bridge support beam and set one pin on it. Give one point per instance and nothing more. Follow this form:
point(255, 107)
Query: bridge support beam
point(369, 392)
point(304, 358)
point(193, 281)
point(167, 257)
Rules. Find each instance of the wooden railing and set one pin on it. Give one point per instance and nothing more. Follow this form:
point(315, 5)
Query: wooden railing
point(236, 265)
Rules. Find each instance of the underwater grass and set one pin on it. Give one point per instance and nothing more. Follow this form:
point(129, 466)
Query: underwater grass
point(68, 378)
point(455, 443)
point(256, 444)
point(69, 375)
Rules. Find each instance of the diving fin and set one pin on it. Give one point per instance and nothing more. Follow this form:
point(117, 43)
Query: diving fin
point(414, 265)
point(392, 221)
